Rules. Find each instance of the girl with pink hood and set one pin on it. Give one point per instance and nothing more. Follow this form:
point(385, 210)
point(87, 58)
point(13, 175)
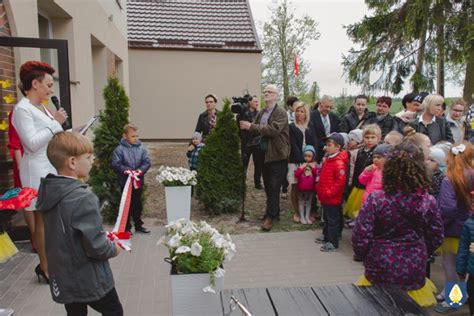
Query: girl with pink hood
point(306, 174)
point(371, 177)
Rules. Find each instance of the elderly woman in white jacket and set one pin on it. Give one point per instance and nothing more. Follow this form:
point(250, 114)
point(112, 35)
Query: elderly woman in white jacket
point(36, 125)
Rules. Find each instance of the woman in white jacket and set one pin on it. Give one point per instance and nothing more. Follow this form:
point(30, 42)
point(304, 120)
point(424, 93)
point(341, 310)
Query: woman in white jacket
point(36, 125)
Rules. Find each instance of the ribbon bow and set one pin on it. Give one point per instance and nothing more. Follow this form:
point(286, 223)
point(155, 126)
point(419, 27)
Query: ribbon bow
point(135, 175)
point(458, 149)
point(121, 239)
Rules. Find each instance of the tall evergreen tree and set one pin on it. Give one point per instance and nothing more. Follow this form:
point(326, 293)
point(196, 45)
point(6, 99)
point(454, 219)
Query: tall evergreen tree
point(106, 137)
point(220, 176)
point(409, 41)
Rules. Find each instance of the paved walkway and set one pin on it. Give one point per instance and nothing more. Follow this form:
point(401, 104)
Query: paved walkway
point(142, 277)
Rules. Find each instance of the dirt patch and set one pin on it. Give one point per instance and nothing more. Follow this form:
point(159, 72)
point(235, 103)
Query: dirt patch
point(174, 154)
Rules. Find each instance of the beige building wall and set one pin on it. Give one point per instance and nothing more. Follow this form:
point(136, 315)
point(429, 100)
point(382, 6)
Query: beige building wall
point(167, 87)
point(93, 28)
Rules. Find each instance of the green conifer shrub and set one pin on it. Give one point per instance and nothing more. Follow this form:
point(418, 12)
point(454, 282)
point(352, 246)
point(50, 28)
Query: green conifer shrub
point(103, 178)
point(220, 176)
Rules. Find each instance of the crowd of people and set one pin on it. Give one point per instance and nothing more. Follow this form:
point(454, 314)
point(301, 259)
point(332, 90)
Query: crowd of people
point(403, 183)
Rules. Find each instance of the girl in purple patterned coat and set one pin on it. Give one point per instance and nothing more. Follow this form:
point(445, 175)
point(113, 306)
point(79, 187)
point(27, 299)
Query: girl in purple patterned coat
point(399, 227)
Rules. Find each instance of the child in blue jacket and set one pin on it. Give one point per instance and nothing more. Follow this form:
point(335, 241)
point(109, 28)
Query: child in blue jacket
point(131, 156)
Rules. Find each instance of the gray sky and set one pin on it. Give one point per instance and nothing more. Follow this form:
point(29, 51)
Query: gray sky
point(325, 54)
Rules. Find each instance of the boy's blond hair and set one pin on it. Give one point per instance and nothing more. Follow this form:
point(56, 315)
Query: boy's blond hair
point(66, 144)
point(129, 127)
point(372, 129)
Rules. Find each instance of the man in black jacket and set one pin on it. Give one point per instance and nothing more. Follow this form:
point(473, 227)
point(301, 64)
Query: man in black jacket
point(207, 119)
point(357, 115)
point(323, 122)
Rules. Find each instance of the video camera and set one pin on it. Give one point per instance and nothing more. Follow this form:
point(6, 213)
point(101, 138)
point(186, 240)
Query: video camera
point(241, 108)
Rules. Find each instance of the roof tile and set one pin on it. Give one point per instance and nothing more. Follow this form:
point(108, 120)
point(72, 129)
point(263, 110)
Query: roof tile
point(198, 24)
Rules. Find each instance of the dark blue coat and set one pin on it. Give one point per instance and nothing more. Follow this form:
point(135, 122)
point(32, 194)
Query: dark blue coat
point(296, 143)
point(465, 259)
point(130, 157)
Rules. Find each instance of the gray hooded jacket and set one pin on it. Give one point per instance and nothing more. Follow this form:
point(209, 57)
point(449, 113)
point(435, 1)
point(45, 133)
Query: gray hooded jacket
point(76, 245)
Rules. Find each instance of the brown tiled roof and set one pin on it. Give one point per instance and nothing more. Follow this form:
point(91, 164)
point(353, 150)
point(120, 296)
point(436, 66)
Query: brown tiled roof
point(192, 24)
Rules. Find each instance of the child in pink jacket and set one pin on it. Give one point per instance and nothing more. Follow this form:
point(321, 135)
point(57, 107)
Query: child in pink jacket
point(306, 174)
point(371, 177)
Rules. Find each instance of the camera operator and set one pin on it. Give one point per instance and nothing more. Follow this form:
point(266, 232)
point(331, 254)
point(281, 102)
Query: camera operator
point(248, 113)
point(271, 124)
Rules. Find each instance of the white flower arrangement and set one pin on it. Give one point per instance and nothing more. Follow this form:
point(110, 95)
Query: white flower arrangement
point(176, 176)
point(197, 248)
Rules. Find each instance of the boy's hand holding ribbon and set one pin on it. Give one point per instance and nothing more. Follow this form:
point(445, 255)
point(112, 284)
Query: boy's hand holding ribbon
point(135, 175)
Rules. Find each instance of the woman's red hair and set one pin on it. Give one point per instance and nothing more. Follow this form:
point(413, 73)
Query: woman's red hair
point(460, 173)
point(32, 70)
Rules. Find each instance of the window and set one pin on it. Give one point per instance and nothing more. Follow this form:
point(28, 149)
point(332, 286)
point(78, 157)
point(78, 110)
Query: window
point(44, 29)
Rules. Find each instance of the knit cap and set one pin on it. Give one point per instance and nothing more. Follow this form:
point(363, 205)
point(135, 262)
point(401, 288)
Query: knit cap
point(356, 135)
point(197, 135)
point(346, 138)
point(383, 149)
point(309, 148)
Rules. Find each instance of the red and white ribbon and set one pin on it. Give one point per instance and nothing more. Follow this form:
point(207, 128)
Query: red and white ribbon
point(122, 240)
point(135, 174)
point(119, 232)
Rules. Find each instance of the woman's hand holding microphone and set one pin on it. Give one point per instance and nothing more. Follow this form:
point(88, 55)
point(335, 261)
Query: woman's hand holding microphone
point(60, 115)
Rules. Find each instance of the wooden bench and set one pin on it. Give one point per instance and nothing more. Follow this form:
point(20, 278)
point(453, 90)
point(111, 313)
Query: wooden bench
point(342, 300)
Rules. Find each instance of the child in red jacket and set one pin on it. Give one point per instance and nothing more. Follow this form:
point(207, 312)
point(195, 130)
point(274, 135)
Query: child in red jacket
point(330, 190)
point(306, 174)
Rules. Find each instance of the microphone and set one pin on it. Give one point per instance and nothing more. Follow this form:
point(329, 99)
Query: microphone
point(55, 101)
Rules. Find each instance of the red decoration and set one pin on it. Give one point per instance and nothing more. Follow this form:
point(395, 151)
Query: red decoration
point(22, 200)
point(295, 66)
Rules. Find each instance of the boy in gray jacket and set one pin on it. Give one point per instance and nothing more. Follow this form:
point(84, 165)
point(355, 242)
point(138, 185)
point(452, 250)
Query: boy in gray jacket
point(76, 245)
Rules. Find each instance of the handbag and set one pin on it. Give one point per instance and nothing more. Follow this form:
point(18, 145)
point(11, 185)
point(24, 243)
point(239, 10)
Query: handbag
point(258, 143)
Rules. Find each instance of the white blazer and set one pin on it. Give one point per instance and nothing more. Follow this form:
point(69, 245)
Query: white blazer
point(35, 129)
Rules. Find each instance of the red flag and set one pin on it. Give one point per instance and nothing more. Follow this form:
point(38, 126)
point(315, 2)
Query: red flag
point(295, 66)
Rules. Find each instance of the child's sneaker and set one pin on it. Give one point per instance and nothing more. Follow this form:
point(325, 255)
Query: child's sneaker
point(349, 224)
point(320, 240)
point(328, 247)
point(443, 308)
